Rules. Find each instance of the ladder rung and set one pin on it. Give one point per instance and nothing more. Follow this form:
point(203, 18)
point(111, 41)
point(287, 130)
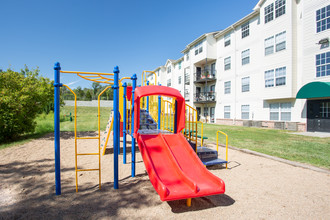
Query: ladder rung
point(88, 154)
point(87, 170)
point(87, 137)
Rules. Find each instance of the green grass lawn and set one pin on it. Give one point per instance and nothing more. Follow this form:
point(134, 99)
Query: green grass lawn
point(284, 144)
point(280, 143)
point(86, 121)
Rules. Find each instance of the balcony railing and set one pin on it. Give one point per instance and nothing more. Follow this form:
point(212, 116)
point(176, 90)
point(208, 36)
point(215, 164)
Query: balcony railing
point(204, 76)
point(205, 97)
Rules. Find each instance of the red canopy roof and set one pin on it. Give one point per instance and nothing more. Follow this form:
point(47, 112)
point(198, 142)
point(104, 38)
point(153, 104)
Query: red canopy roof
point(163, 91)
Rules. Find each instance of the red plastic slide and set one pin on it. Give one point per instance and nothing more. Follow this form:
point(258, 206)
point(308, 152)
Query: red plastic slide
point(175, 170)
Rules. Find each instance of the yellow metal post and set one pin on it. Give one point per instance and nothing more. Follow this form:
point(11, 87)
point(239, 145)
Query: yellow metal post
point(189, 202)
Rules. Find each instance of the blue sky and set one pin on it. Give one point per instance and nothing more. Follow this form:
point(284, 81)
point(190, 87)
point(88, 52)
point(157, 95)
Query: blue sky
point(97, 35)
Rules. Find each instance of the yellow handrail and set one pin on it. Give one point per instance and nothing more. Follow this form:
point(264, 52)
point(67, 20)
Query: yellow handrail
point(202, 140)
point(226, 144)
point(99, 127)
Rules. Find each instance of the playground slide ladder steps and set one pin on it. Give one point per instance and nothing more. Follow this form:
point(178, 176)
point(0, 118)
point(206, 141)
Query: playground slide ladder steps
point(106, 134)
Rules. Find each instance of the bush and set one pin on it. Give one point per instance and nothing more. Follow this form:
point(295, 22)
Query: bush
point(23, 96)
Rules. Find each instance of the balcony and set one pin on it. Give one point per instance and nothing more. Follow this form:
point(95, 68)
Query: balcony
point(205, 76)
point(205, 97)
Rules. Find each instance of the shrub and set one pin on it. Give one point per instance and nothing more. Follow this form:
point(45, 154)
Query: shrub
point(22, 96)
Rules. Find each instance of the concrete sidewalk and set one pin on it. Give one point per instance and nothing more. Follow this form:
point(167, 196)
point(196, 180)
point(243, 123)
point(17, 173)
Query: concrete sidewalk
point(314, 134)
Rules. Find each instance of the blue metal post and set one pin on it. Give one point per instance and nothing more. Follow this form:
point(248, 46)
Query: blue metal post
point(116, 134)
point(147, 99)
point(159, 110)
point(57, 86)
point(124, 122)
point(132, 126)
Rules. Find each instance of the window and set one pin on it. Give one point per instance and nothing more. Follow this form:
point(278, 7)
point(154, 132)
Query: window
point(280, 41)
point(199, 48)
point(212, 88)
point(245, 84)
point(278, 79)
point(169, 69)
point(212, 111)
point(323, 19)
point(245, 57)
point(169, 82)
point(227, 87)
point(323, 64)
point(280, 111)
point(226, 111)
point(227, 40)
point(245, 29)
point(269, 13)
point(179, 80)
point(227, 63)
point(279, 8)
point(180, 65)
point(269, 45)
point(186, 77)
point(157, 72)
point(269, 78)
point(280, 75)
point(187, 56)
point(325, 109)
point(206, 111)
point(245, 111)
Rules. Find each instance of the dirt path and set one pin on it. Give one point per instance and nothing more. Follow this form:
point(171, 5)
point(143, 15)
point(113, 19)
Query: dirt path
point(256, 188)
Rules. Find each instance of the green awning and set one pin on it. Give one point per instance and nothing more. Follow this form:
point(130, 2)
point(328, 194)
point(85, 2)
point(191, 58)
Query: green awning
point(314, 90)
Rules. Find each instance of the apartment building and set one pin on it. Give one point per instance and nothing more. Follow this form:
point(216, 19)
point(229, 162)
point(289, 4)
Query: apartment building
point(269, 69)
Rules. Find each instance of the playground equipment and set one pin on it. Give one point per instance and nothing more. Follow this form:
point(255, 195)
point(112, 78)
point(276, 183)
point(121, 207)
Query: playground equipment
point(174, 169)
point(95, 77)
point(172, 164)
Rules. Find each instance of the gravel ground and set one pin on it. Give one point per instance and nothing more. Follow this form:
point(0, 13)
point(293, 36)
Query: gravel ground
point(256, 187)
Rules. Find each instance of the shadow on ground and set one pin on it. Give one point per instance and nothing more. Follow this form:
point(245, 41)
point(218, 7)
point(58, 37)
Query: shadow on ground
point(201, 203)
point(27, 192)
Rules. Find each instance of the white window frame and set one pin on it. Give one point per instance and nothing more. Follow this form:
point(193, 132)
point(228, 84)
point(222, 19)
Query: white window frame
point(246, 84)
point(226, 111)
point(322, 64)
point(227, 87)
point(280, 111)
point(279, 8)
point(169, 83)
point(245, 28)
point(280, 74)
point(269, 45)
point(269, 78)
point(227, 39)
point(227, 63)
point(269, 13)
point(198, 48)
point(245, 57)
point(169, 69)
point(323, 19)
point(280, 41)
point(245, 111)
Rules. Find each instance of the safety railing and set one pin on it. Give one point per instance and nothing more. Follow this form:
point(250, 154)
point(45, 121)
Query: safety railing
point(226, 144)
point(167, 115)
point(190, 131)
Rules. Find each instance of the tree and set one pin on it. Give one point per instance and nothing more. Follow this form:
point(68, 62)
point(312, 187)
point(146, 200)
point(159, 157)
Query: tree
point(88, 96)
point(22, 96)
point(96, 89)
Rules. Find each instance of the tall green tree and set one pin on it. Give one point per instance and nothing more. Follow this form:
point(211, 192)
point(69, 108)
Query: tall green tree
point(22, 96)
